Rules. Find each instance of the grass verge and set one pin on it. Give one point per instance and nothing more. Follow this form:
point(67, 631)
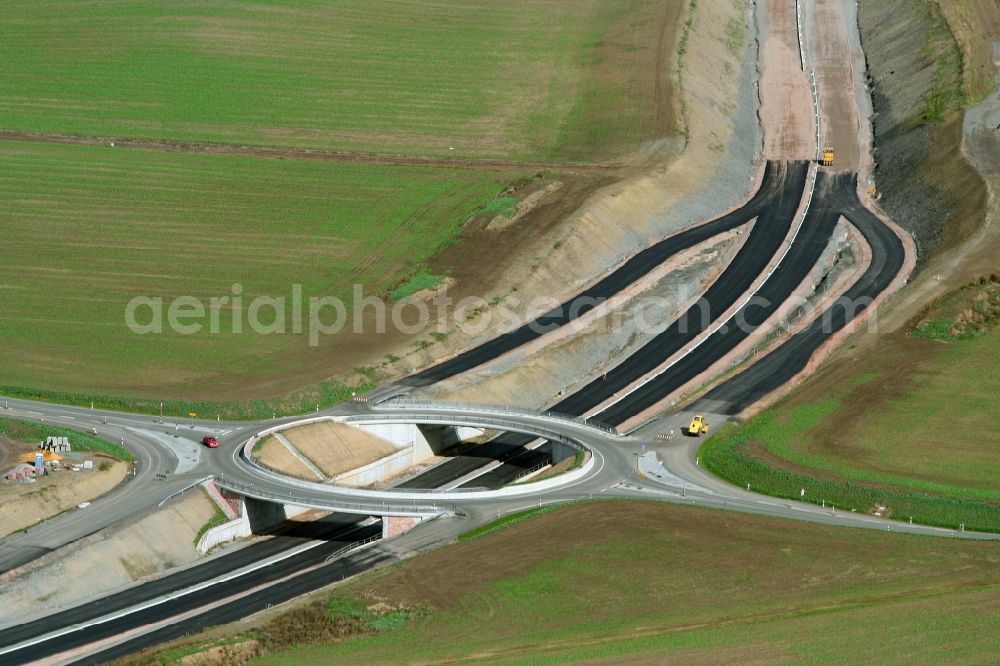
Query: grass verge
point(33, 433)
point(419, 281)
point(218, 645)
point(508, 521)
point(320, 396)
point(906, 424)
point(217, 519)
point(728, 455)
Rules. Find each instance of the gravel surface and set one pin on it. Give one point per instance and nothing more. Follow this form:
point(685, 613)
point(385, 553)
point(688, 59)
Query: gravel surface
point(903, 44)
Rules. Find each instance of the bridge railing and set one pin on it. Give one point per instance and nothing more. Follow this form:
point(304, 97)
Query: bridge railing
point(371, 508)
point(542, 433)
point(340, 552)
point(257, 462)
point(500, 409)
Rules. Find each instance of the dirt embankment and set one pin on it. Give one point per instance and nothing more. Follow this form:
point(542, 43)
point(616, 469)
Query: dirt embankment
point(915, 71)
point(23, 505)
point(925, 181)
point(337, 447)
point(108, 560)
point(535, 374)
point(718, 103)
point(277, 456)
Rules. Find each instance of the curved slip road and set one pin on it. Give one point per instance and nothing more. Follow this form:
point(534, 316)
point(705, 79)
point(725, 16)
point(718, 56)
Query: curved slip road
point(834, 196)
point(136, 493)
point(779, 366)
point(814, 236)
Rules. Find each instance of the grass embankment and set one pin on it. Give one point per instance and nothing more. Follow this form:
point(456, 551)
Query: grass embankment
point(33, 433)
point(218, 518)
point(910, 425)
point(418, 282)
point(965, 24)
point(640, 582)
point(506, 521)
point(950, 93)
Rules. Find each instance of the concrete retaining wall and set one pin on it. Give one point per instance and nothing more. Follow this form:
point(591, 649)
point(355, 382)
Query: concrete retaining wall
point(426, 440)
point(256, 517)
point(380, 470)
point(235, 529)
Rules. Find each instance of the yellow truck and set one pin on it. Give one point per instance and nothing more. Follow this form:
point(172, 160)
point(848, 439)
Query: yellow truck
point(698, 427)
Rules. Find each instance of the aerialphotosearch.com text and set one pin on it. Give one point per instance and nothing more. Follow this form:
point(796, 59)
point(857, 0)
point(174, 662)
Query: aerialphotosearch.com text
point(319, 316)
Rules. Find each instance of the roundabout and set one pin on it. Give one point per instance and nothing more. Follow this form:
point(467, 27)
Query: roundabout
point(603, 451)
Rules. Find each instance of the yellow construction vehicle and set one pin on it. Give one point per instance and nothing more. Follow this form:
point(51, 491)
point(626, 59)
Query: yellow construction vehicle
point(698, 427)
point(828, 156)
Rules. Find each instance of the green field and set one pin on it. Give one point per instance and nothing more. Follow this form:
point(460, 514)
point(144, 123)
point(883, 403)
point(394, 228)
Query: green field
point(88, 228)
point(637, 582)
point(910, 424)
point(554, 80)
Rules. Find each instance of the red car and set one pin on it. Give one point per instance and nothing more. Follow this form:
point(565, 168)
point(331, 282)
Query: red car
point(210, 441)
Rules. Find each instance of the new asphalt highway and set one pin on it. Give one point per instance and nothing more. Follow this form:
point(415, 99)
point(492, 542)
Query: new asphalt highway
point(770, 373)
point(783, 189)
point(775, 200)
point(163, 600)
point(244, 581)
point(835, 195)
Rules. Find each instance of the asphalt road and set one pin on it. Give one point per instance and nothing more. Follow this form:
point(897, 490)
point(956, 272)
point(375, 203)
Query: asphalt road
point(612, 472)
point(332, 528)
point(812, 239)
point(141, 492)
point(774, 206)
point(777, 367)
point(835, 196)
point(84, 629)
point(256, 602)
point(781, 184)
point(501, 448)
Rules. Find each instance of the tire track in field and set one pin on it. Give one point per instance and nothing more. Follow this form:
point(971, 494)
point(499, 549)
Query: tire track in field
point(283, 152)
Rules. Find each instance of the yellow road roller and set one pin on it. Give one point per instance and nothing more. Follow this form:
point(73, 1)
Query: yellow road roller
point(698, 427)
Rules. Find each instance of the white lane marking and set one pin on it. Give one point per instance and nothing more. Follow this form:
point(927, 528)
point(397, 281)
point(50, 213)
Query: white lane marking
point(725, 322)
point(489, 467)
point(163, 599)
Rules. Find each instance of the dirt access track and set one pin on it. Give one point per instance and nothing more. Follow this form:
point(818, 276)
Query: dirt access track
point(344, 157)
